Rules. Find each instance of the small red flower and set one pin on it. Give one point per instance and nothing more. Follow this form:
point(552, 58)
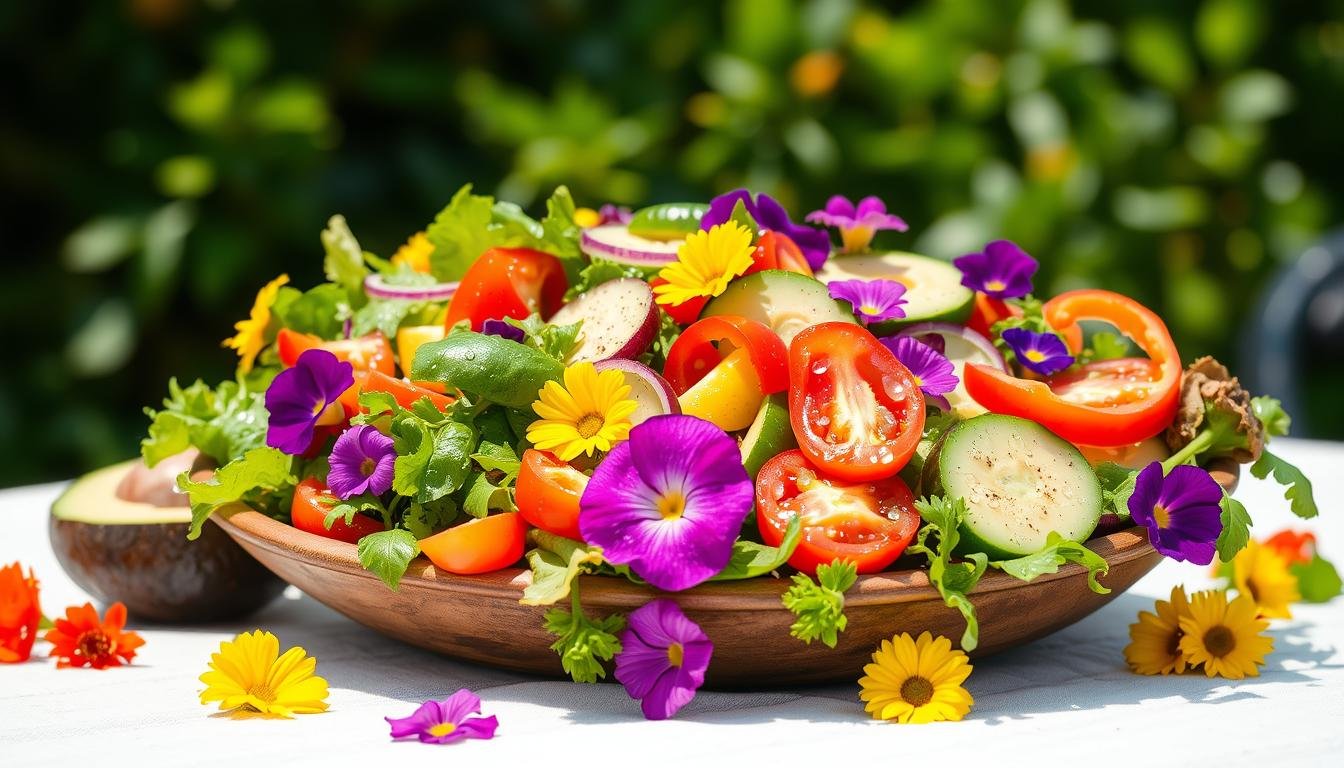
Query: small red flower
point(80, 638)
point(20, 614)
point(1293, 546)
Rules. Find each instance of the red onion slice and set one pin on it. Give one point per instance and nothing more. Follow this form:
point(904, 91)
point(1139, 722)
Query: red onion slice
point(378, 288)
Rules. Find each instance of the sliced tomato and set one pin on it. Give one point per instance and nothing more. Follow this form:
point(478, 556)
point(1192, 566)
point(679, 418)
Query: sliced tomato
point(366, 353)
point(709, 340)
point(684, 313)
point(1142, 397)
point(776, 250)
point(856, 410)
point(508, 282)
point(478, 546)
point(868, 523)
point(987, 311)
point(548, 493)
point(309, 513)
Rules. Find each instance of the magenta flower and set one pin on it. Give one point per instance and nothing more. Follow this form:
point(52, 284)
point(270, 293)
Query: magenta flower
point(301, 397)
point(503, 329)
point(769, 214)
point(663, 658)
point(443, 722)
point(1182, 511)
point(873, 300)
point(361, 460)
point(1003, 270)
point(1043, 353)
point(857, 223)
point(668, 502)
point(933, 372)
point(613, 214)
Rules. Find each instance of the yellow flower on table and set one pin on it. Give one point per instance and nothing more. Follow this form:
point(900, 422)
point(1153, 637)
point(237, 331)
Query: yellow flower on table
point(1224, 637)
point(705, 264)
point(916, 681)
point(1262, 574)
point(251, 336)
point(1155, 639)
point(250, 676)
point(591, 412)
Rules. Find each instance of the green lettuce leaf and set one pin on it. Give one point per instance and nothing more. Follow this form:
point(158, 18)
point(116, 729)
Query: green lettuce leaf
point(223, 423)
point(260, 469)
point(751, 559)
point(344, 262)
point(1117, 485)
point(321, 310)
point(387, 554)
point(1056, 552)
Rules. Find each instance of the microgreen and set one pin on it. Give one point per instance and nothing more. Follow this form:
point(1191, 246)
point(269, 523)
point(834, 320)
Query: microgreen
point(819, 607)
point(953, 580)
point(584, 643)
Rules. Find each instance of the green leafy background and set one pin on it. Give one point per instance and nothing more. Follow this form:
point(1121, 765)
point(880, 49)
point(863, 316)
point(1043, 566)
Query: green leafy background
point(161, 159)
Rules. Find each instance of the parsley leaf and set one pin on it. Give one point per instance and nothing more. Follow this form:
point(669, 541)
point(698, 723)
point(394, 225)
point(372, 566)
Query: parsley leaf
point(820, 606)
point(1057, 551)
point(1297, 486)
point(1105, 345)
point(584, 644)
point(387, 554)
point(1236, 528)
point(1269, 411)
point(258, 469)
point(953, 580)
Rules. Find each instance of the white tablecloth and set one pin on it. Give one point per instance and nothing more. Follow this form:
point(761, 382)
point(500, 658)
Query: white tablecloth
point(1065, 700)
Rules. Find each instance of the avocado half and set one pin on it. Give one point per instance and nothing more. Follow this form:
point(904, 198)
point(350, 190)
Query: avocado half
point(138, 554)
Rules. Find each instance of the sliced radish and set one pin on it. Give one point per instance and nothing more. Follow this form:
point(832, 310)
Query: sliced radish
point(960, 345)
point(619, 319)
point(651, 391)
point(614, 242)
point(378, 288)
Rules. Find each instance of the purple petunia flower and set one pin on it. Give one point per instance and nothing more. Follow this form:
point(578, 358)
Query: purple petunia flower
point(873, 300)
point(443, 722)
point(503, 329)
point(663, 658)
point(668, 502)
point(1043, 353)
point(299, 398)
point(613, 214)
point(1182, 511)
point(1003, 270)
point(361, 460)
point(769, 214)
point(857, 223)
point(934, 373)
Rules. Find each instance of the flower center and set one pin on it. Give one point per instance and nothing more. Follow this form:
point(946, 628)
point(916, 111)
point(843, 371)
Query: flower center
point(869, 309)
point(263, 692)
point(441, 730)
point(995, 285)
point(671, 505)
point(1219, 641)
point(1034, 355)
point(318, 407)
point(589, 425)
point(676, 654)
point(1161, 516)
point(1174, 644)
point(918, 381)
point(367, 466)
point(94, 644)
point(917, 691)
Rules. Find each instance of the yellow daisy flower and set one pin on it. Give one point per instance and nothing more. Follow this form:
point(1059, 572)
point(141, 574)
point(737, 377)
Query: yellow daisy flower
point(1155, 639)
point(1262, 574)
point(1224, 637)
point(251, 336)
point(249, 676)
point(916, 681)
point(415, 253)
point(591, 412)
point(705, 264)
point(587, 218)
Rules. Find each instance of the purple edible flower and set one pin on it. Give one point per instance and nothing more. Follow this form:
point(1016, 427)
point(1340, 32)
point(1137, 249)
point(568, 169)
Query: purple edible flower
point(299, 397)
point(769, 214)
point(361, 460)
point(1003, 270)
point(613, 214)
point(933, 372)
point(663, 658)
point(668, 502)
point(503, 329)
point(857, 223)
point(873, 300)
point(1043, 353)
point(443, 722)
point(1182, 511)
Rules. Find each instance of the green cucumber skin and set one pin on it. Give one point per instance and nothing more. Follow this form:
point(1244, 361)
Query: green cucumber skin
point(779, 400)
point(957, 315)
point(935, 479)
point(813, 291)
point(490, 367)
point(667, 220)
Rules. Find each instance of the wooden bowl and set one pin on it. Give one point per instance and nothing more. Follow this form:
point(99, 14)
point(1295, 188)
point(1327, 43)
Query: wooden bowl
point(478, 618)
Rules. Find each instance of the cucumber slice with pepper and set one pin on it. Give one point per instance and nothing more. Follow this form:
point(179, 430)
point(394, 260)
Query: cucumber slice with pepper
point(786, 302)
point(933, 289)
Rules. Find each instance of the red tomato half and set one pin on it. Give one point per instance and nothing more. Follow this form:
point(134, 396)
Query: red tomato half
point(867, 523)
point(1108, 382)
point(365, 353)
point(775, 250)
point(548, 493)
point(856, 411)
point(478, 546)
point(508, 282)
point(704, 345)
point(309, 514)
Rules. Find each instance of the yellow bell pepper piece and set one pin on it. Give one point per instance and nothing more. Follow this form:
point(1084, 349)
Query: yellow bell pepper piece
point(729, 396)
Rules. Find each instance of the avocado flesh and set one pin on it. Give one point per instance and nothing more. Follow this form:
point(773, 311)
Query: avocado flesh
point(138, 554)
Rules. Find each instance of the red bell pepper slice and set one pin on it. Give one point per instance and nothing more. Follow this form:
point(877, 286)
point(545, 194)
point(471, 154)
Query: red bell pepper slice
point(366, 353)
point(702, 346)
point(775, 250)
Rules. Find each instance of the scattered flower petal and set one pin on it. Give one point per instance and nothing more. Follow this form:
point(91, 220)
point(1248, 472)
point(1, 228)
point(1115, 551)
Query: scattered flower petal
point(1155, 639)
point(20, 613)
point(663, 658)
point(443, 722)
point(1224, 637)
point(1262, 574)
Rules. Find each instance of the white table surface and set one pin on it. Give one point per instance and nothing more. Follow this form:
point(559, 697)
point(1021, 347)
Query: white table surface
point(1065, 700)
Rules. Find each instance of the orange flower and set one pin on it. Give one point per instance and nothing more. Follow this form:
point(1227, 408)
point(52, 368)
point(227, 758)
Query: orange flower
point(1293, 546)
point(20, 614)
point(80, 638)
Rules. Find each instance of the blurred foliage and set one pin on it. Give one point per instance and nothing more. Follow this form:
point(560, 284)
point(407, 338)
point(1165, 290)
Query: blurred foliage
point(161, 159)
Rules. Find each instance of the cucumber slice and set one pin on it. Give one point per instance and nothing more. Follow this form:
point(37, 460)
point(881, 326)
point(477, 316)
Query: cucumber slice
point(933, 286)
point(787, 302)
point(1020, 481)
point(770, 433)
point(667, 221)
